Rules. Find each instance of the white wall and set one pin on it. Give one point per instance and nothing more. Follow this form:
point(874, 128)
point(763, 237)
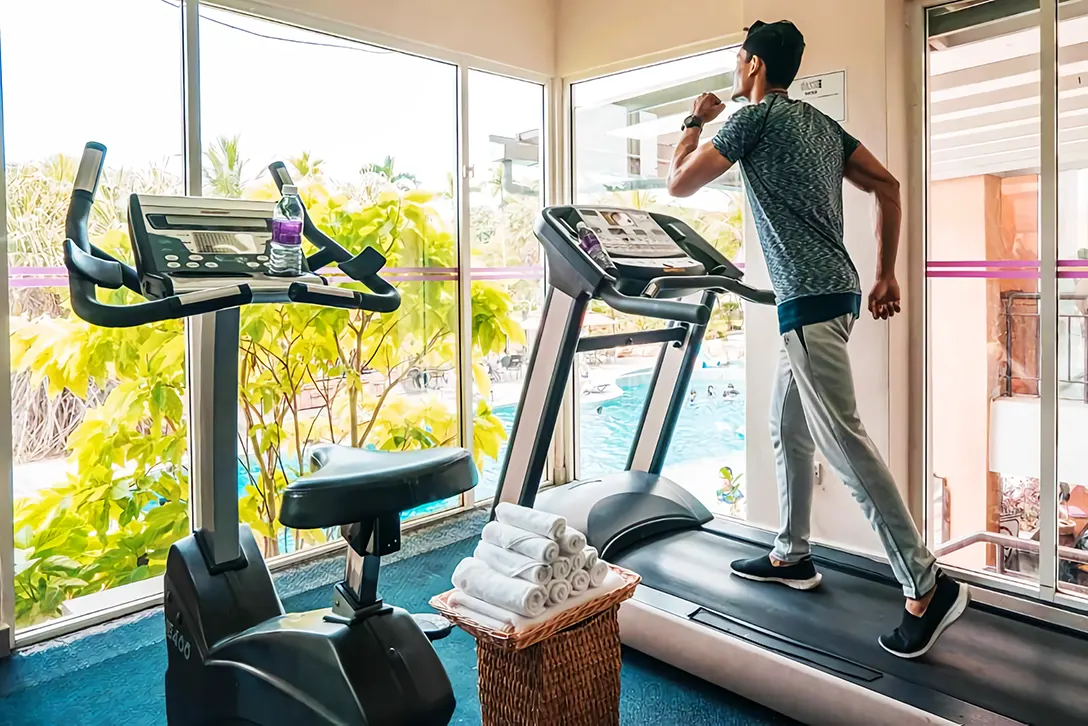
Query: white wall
point(518, 33)
point(597, 33)
point(593, 35)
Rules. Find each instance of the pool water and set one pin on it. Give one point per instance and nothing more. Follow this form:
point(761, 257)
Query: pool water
point(709, 433)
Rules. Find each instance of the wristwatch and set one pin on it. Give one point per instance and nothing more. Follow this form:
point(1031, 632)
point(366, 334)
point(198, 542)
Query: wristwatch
point(692, 122)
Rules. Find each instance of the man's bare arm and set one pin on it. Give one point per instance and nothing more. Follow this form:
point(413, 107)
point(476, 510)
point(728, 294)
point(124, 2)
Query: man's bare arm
point(866, 173)
point(694, 166)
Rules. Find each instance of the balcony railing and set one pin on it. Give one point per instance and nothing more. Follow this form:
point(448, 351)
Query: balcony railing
point(1021, 315)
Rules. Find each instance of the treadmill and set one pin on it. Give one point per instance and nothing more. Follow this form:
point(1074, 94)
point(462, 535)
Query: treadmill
point(810, 655)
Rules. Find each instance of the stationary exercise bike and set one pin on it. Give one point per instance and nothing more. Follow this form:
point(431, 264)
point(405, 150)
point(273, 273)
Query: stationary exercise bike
point(234, 655)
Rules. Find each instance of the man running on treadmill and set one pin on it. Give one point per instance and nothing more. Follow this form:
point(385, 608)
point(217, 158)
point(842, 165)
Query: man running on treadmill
point(794, 159)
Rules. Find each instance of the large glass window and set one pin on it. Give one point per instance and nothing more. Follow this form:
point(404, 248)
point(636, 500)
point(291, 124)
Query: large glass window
point(370, 135)
point(982, 269)
point(506, 120)
point(625, 129)
point(100, 475)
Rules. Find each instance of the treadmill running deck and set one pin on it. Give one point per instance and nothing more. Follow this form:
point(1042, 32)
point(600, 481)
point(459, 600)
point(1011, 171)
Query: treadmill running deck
point(1026, 672)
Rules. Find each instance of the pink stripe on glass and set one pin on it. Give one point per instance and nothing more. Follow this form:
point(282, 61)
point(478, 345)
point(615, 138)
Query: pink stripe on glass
point(986, 274)
point(982, 263)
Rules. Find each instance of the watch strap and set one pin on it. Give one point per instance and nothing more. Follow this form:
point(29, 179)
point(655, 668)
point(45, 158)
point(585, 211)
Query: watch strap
point(692, 122)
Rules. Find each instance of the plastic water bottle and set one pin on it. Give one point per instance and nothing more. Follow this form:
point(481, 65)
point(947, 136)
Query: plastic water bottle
point(589, 243)
point(285, 250)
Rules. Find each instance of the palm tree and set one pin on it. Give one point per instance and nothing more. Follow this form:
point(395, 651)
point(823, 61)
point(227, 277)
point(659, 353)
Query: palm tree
point(386, 169)
point(225, 176)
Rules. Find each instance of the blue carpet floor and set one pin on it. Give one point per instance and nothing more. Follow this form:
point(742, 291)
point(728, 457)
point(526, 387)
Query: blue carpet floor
point(115, 676)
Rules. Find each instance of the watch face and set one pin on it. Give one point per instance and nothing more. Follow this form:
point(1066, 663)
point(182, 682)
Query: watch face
point(692, 122)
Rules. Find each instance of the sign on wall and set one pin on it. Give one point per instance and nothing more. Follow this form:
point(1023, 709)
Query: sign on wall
point(826, 91)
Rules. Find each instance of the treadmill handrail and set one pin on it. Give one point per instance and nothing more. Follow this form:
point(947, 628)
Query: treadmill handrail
point(713, 283)
point(694, 313)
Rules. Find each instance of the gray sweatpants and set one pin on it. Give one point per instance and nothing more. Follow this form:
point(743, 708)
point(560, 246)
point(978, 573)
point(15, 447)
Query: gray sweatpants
point(814, 405)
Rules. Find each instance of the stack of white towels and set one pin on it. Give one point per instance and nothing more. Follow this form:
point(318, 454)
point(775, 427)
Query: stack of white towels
point(527, 565)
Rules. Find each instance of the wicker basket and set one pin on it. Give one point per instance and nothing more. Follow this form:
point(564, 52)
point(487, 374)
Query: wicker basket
point(564, 672)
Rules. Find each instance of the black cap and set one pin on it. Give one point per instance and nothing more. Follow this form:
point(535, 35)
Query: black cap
point(780, 40)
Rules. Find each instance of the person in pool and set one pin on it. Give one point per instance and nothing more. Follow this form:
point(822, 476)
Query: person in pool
point(710, 391)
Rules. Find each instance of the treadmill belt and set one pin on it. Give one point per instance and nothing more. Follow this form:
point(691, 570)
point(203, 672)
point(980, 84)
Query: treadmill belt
point(1029, 673)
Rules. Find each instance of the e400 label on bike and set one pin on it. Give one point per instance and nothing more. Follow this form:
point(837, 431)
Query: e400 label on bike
point(179, 640)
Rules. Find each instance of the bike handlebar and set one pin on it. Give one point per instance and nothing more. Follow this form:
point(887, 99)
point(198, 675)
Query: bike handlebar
point(90, 267)
point(85, 271)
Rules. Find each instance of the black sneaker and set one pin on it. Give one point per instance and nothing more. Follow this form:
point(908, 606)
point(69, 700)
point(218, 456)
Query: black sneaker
point(800, 575)
point(915, 636)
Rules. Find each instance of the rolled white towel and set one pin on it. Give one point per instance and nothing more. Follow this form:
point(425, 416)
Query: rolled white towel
point(561, 568)
point(597, 573)
point(513, 564)
point(579, 582)
point(481, 619)
point(531, 520)
point(471, 606)
point(464, 602)
point(591, 556)
point(571, 541)
point(509, 593)
point(577, 561)
point(517, 540)
point(558, 592)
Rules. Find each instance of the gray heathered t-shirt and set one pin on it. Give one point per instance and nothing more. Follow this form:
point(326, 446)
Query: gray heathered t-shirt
point(792, 158)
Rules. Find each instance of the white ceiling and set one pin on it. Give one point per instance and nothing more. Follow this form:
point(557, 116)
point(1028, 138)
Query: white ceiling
point(984, 96)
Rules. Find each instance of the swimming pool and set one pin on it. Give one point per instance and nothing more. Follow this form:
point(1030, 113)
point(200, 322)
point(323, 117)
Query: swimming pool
point(710, 431)
point(709, 435)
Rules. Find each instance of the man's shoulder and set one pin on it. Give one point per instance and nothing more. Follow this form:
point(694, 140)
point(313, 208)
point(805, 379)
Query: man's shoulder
point(742, 118)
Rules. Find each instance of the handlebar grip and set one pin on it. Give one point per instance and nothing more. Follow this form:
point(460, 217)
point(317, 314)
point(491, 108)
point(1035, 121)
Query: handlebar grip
point(680, 285)
point(749, 293)
point(86, 305)
point(106, 273)
point(694, 313)
point(90, 168)
point(279, 173)
point(385, 301)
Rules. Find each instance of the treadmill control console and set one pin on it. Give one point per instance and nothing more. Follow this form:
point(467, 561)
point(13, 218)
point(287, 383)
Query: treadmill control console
point(629, 233)
point(633, 239)
point(182, 242)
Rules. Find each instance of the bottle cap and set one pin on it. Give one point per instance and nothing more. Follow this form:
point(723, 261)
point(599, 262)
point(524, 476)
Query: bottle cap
point(289, 189)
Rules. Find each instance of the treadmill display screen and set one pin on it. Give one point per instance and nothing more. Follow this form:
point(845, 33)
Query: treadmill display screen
point(630, 233)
